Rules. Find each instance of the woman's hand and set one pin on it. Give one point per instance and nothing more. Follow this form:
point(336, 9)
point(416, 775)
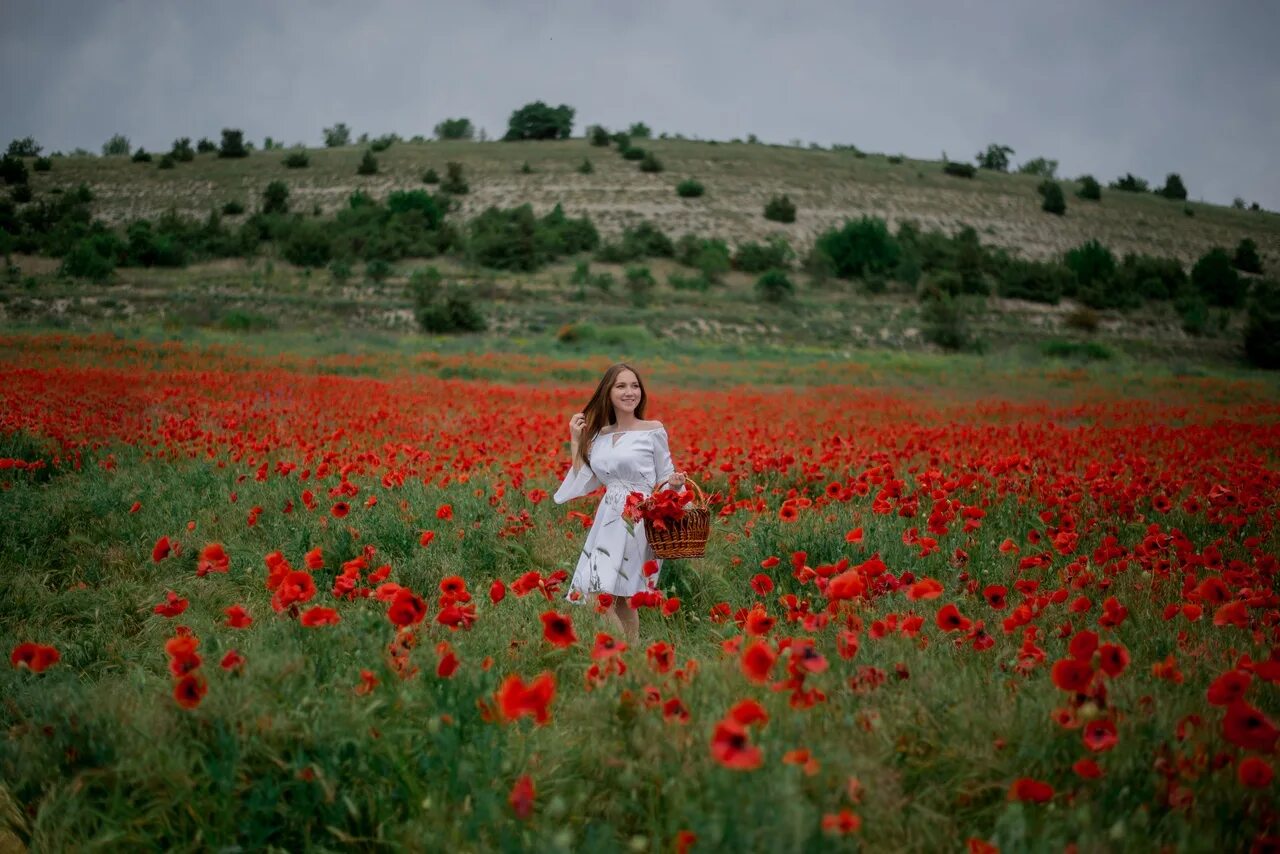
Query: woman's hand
point(676, 481)
point(577, 424)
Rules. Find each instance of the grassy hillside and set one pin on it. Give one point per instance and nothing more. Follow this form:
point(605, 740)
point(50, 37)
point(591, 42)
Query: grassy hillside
point(827, 186)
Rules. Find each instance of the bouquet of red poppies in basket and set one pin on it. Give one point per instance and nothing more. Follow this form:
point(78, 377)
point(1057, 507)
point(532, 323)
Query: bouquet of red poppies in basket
point(676, 524)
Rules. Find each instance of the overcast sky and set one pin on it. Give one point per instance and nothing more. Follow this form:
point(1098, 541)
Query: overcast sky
point(1103, 86)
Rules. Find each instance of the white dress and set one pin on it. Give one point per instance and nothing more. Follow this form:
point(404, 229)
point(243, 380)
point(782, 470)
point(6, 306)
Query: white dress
point(613, 557)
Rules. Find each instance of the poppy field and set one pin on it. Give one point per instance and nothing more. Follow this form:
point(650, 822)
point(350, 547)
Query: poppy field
point(259, 601)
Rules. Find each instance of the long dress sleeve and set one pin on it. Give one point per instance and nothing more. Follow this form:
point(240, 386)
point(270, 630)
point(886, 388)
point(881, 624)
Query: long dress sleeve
point(662, 456)
point(577, 484)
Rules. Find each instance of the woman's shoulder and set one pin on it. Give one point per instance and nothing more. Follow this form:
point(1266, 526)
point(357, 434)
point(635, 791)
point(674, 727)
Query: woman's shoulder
point(653, 426)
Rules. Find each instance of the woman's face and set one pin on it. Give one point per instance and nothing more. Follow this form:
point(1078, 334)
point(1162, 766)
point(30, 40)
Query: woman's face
point(625, 394)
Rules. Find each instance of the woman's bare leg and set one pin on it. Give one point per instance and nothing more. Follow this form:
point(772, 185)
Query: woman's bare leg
point(629, 618)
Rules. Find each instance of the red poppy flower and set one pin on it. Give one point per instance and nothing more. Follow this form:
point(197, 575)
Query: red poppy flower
point(650, 568)
point(172, 606)
point(1113, 659)
point(1229, 687)
point(380, 574)
point(758, 660)
point(238, 617)
point(762, 584)
point(1083, 645)
point(161, 549)
point(661, 656)
point(232, 660)
point(407, 608)
point(1087, 768)
point(426, 538)
point(297, 587)
point(606, 647)
point(950, 619)
point(804, 759)
point(445, 512)
point(34, 656)
point(190, 690)
point(748, 712)
point(521, 797)
point(457, 616)
point(455, 587)
point(1071, 674)
point(497, 591)
point(731, 747)
point(536, 496)
point(995, 595)
point(1031, 791)
point(1244, 726)
point(770, 562)
point(854, 536)
point(137, 505)
point(340, 509)
point(758, 623)
point(515, 699)
point(368, 681)
point(314, 559)
point(212, 559)
point(843, 822)
point(448, 660)
point(1100, 735)
point(320, 616)
point(557, 628)
point(671, 606)
point(675, 711)
point(1255, 773)
point(925, 588)
point(788, 513)
point(684, 841)
point(846, 585)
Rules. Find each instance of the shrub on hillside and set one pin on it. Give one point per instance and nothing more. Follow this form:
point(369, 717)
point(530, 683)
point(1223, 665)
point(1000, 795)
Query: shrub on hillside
point(460, 128)
point(337, 136)
point(1173, 188)
point(1039, 167)
point(1151, 278)
point(117, 146)
point(753, 257)
point(42, 164)
point(308, 244)
point(585, 167)
point(689, 189)
point(275, 198)
point(232, 144)
point(13, 171)
point(166, 162)
point(959, 170)
point(1246, 258)
point(297, 160)
point(25, 147)
point(1091, 262)
point(182, 150)
point(383, 142)
point(431, 176)
point(1130, 183)
point(206, 146)
point(1054, 201)
point(645, 240)
point(368, 164)
point(710, 257)
point(780, 209)
point(1090, 189)
point(440, 310)
point(539, 121)
point(944, 322)
point(514, 239)
point(639, 130)
point(1193, 311)
point(651, 163)
point(598, 136)
point(633, 152)
point(233, 208)
point(93, 257)
point(1034, 281)
point(141, 156)
point(774, 286)
point(860, 247)
point(1216, 280)
point(996, 157)
point(455, 183)
point(640, 285)
point(1262, 330)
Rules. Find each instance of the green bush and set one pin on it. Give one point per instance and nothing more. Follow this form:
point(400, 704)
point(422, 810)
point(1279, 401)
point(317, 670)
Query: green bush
point(166, 162)
point(563, 235)
point(639, 130)
point(1090, 189)
point(117, 146)
point(431, 176)
point(959, 170)
point(645, 240)
point(42, 164)
point(1246, 258)
point(585, 167)
point(368, 164)
point(238, 320)
point(340, 271)
point(232, 144)
point(539, 121)
point(753, 257)
point(275, 198)
point(1087, 351)
point(945, 323)
point(1039, 167)
point(599, 136)
point(25, 147)
point(233, 208)
point(22, 194)
point(860, 247)
point(1151, 278)
point(1262, 330)
point(640, 285)
point(383, 142)
point(1173, 188)
point(1034, 281)
point(514, 239)
point(774, 286)
point(780, 209)
point(308, 244)
point(525, 168)
point(709, 256)
point(996, 157)
point(689, 189)
point(697, 282)
point(378, 270)
point(93, 257)
point(454, 183)
point(1130, 183)
point(297, 160)
point(1054, 201)
point(13, 170)
point(460, 128)
point(182, 150)
point(1194, 312)
point(337, 136)
point(1091, 263)
point(206, 146)
point(141, 156)
point(633, 152)
point(1216, 280)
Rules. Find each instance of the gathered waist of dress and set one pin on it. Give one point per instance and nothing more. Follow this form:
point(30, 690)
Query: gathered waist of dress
point(616, 492)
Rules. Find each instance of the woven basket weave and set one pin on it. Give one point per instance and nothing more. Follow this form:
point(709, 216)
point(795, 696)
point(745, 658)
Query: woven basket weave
point(685, 537)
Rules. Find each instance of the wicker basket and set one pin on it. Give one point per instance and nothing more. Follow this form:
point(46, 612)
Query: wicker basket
point(685, 537)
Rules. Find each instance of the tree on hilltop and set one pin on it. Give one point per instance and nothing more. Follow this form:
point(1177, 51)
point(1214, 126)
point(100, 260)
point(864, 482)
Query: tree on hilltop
point(539, 121)
point(455, 129)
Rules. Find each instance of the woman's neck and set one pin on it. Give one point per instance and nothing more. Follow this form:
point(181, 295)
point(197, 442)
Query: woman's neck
point(626, 422)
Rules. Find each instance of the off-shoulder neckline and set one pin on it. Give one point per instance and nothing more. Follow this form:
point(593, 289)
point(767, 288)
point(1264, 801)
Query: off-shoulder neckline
point(619, 432)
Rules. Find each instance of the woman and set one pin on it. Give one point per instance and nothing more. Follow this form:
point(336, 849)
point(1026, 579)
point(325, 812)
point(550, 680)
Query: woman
point(611, 445)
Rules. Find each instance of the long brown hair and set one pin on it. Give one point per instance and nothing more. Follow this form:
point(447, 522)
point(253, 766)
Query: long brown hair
point(599, 410)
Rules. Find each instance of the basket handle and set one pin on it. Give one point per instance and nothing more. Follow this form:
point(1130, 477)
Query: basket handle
point(699, 495)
